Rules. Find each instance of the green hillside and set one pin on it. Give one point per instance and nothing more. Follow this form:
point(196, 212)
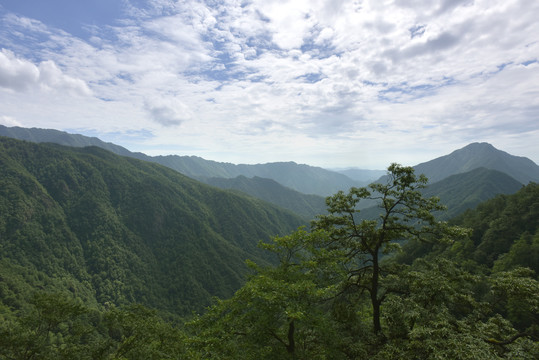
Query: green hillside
point(462, 191)
point(465, 191)
point(505, 230)
point(271, 191)
point(120, 230)
point(478, 155)
point(84, 234)
point(443, 295)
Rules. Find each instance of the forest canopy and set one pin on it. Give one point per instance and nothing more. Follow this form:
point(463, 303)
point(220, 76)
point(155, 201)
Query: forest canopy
point(402, 286)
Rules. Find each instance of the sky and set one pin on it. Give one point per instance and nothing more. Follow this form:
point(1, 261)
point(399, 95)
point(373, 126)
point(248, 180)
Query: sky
point(330, 83)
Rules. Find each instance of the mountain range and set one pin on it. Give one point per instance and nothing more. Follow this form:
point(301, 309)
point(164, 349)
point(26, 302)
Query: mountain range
point(302, 188)
point(118, 229)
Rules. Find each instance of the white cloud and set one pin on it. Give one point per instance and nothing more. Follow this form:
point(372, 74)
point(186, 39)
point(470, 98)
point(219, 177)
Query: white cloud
point(294, 77)
point(15, 73)
point(20, 75)
point(9, 121)
point(168, 111)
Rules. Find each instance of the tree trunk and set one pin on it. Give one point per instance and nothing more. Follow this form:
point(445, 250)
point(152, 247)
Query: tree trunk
point(374, 294)
point(291, 348)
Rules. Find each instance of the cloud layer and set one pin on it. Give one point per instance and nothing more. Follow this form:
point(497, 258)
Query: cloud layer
point(330, 83)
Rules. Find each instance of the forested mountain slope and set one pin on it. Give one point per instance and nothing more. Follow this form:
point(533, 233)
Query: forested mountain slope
point(505, 230)
point(478, 155)
point(121, 230)
point(269, 190)
point(466, 190)
point(504, 234)
point(463, 191)
point(444, 296)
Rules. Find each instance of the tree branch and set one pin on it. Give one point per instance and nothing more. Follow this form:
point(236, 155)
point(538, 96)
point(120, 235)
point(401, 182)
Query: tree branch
point(511, 340)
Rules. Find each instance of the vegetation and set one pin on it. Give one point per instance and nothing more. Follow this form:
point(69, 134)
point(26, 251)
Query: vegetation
point(477, 155)
point(467, 190)
point(103, 257)
point(308, 206)
point(333, 296)
point(121, 230)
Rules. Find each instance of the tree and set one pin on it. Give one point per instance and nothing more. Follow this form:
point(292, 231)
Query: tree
point(279, 313)
point(359, 244)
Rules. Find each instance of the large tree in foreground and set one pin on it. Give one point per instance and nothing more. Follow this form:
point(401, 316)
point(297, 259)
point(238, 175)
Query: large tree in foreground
point(357, 245)
point(333, 295)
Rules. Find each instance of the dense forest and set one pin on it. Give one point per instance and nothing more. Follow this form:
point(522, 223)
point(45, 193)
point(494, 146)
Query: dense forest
point(84, 273)
point(118, 230)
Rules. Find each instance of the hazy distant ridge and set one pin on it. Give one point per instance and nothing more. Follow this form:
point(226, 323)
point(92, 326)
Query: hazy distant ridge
point(303, 178)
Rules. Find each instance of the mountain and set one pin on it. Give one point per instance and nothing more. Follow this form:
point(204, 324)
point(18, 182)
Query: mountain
point(463, 191)
point(63, 138)
point(271, 191)
point(478, 155)
point(303, 178)
point(505, 230)
point(362, 175)
point(119, 230)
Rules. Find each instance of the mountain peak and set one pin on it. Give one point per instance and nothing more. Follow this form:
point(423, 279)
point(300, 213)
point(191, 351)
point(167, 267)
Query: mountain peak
point(479, 154)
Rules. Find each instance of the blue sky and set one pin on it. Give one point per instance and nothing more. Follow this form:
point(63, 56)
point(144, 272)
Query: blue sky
point(331, 83)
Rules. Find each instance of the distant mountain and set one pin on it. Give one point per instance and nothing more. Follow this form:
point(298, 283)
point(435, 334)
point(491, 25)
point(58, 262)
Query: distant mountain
point(467, 190)
point(362, 175)
point(303, 178)
point(269, 190)
point(478, 155)
point(119, 230)
point(464, 191)
point(63, 138)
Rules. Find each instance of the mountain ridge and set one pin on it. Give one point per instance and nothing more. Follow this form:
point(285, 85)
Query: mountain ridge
point(300, 177)
point(270, 190)
point(476, 155)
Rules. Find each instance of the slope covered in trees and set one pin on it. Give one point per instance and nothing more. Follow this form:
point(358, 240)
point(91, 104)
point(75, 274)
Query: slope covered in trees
point(461, 192)
point(271, 191)
point(466, 190)
point(333, 297)
point(505, 230)
point(343, 289)
point(477, 155)
point(119, 230)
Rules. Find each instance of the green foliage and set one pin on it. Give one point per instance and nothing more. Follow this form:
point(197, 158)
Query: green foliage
point(271, 191)
point(126, 231)
point(277, 314)
point(405, 214)
point(502, 223)
point(56, 326)
point(89, 241)
point(467, 190)
point(336, 294)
